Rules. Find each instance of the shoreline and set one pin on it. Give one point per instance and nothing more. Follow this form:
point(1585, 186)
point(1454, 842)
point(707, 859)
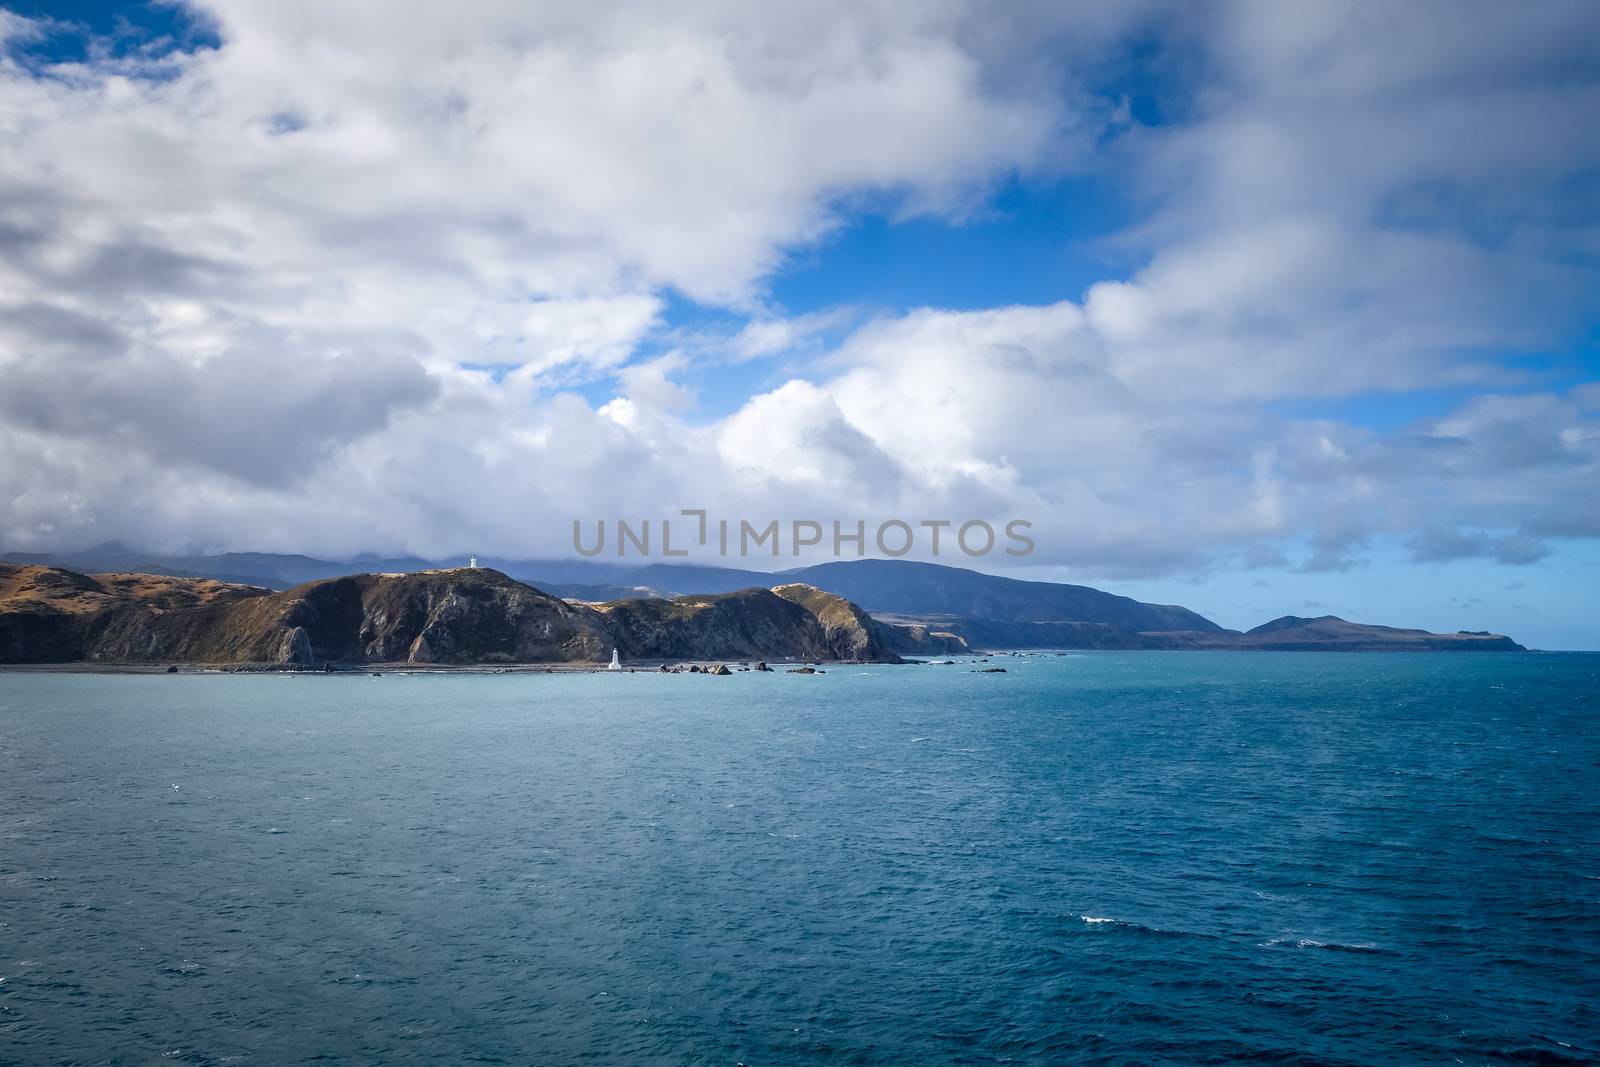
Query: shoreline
point(642, 667)
point(653, 666)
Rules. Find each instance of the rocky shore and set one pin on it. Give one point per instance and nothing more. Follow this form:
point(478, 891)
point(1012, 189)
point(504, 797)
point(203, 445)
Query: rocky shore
point(456, 618)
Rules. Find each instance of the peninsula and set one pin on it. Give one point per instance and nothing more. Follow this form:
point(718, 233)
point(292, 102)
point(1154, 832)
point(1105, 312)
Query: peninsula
point(482, 616)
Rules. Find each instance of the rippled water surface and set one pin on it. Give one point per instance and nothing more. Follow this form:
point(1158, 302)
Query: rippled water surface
point(1157, 858)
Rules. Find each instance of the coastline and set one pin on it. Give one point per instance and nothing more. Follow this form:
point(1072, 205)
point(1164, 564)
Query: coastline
point(682, 666)
point(641, 667)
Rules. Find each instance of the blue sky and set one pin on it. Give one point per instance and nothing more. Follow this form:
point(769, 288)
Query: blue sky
point(1246, 307)
point(79, 27)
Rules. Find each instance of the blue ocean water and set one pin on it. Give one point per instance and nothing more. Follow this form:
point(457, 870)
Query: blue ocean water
point(1119, 858)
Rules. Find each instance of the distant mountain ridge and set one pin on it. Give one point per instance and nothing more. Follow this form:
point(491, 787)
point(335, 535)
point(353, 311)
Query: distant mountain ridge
point(1329, 633)
point(910, 588)
point(884, 586)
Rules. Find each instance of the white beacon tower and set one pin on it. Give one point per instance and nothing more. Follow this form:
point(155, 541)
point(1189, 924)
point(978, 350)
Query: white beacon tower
point(472, 561)
point(616, 661)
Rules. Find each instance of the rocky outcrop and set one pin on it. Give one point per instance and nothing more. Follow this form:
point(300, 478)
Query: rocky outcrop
point(450, 617)
point(51, 615)
point(849, 633)
point(447, 617)
point(920, 639)
point(854, 634)
point(471, 616)
point(744, 625)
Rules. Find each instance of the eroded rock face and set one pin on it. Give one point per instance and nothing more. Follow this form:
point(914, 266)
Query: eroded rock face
point(919, 639)
point(444, 617)
point(51, 615)
point(464, 616)
point(850, 634)
point(448, 617)
point(746, 625)
point(295, 648)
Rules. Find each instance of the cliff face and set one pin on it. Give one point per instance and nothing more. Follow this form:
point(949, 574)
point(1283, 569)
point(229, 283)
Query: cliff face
point(791, 622)
point(463, 616)
point(919, 639)
point(458, 616)
point(50, 615)
point(446, 617)
point(850, 633)
point(454, 616)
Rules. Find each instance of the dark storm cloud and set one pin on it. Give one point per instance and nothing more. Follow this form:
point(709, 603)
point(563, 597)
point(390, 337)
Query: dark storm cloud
point(264, 417)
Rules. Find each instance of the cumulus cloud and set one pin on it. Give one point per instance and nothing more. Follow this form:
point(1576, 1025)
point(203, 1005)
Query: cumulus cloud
point(1365, 198)
point(348, 281)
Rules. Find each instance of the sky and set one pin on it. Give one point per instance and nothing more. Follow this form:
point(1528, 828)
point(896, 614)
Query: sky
point(1259, 308)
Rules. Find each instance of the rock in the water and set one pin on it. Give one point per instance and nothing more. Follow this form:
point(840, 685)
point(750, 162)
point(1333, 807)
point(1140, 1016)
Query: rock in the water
point(720, 669)
point(762, 666)
point(801, 670)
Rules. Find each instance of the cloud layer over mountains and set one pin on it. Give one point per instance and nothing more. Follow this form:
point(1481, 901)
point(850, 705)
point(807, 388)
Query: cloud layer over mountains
point(352, 281)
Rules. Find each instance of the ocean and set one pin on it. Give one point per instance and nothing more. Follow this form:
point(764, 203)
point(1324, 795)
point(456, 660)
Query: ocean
point(1094, 858)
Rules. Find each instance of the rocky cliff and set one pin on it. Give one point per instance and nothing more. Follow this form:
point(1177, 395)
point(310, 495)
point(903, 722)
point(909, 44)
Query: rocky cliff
point(50, 615)
point(790, 622)
point(458, 616)
point(853, 635)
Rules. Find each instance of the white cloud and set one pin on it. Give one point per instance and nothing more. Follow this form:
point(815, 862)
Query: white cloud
point(594, 332)
point(796, 436)
point(776, 335)
point(236, 299)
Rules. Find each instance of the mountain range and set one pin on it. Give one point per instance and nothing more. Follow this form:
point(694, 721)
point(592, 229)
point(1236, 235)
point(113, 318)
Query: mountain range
point(889, 607)
point(882, 586)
